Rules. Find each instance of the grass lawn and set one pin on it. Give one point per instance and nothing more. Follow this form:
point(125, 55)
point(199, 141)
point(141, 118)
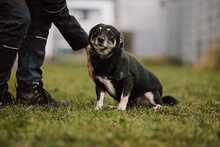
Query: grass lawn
point(195, 122)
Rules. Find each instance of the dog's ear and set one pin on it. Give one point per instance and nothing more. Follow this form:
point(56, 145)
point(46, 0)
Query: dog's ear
point(121, 41)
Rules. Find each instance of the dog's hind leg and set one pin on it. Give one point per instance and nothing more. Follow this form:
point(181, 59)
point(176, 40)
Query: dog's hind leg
point(127, 88)
point(123, 102)
point(154, 99)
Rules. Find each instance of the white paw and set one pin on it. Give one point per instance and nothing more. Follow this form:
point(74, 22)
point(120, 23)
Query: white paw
point(98, 107)
point(122, 107)
point(157, 107)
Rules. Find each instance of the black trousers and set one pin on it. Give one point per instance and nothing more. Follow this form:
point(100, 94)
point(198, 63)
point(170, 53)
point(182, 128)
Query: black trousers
point(32, 53)
point(14, 22)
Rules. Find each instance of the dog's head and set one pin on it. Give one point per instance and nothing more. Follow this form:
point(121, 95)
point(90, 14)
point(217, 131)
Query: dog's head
point(105, 40)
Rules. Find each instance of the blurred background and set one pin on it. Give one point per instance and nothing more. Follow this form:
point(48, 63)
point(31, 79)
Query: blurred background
point(178, 31)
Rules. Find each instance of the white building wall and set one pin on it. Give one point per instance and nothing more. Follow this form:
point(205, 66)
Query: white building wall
point(141, 17)
point(172, 28)
point(191, 27)
point(187, 52)
point(205, 26)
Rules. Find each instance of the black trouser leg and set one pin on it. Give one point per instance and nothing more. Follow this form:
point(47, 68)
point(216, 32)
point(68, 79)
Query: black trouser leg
point(32, 53)
point(7, 58)
point(67, 24)
point(14, 22)
point(30, 59)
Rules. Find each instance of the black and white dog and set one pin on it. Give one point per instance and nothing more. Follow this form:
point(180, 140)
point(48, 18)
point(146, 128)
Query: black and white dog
point(119, 74)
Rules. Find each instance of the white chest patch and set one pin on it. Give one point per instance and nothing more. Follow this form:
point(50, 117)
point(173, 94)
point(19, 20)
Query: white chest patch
point(108, 84)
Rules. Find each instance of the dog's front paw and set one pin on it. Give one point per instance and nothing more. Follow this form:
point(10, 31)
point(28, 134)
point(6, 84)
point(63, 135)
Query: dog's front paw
point(98, 107)
point(122, 107)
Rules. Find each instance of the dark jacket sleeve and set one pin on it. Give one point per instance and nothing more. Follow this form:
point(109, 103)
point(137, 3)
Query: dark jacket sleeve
point(68, 25)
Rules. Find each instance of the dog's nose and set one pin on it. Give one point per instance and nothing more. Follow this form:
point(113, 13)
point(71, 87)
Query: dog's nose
point(101, 40)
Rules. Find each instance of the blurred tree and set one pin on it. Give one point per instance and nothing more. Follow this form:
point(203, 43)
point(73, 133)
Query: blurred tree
point(128, 37)
point(212, 59)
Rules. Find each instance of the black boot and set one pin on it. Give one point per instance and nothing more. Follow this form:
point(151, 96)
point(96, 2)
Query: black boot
point(34, 94)
point(6, 98)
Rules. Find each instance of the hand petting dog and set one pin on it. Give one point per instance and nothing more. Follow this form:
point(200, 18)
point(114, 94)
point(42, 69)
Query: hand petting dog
point(119, 74)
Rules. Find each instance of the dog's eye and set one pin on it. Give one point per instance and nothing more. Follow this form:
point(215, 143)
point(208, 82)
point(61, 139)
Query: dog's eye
point(112, 39)
point(108, 29)
point(95, 34)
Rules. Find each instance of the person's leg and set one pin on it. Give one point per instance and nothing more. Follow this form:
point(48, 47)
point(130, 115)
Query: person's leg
point(31, 57)
point(14, 22)
point(32, 53)
point(67, 24)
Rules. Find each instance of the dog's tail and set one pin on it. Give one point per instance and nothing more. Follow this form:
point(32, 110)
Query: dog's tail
point(169, 100)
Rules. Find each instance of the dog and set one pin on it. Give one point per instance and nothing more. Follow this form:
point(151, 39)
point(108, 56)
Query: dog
point(119, 74)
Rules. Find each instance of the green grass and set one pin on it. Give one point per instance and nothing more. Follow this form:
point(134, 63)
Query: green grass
point(195, 122)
